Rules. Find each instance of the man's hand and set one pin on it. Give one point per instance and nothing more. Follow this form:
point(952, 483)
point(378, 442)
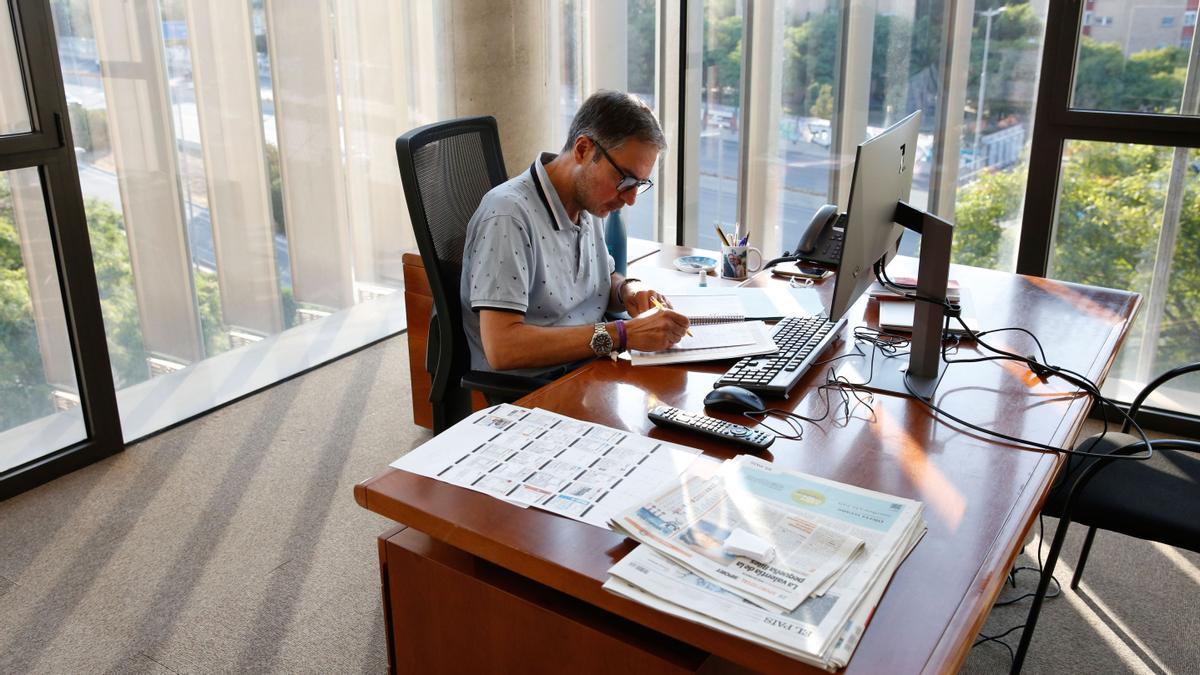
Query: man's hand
point(655, 330)
point(639, 299)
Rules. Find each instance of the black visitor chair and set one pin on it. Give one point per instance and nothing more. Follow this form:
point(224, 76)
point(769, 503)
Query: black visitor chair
point(1157, 499)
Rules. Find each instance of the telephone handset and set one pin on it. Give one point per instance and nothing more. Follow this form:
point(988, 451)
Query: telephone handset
point(821, 241)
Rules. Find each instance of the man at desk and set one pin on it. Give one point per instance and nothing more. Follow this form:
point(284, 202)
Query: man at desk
point(537, 277)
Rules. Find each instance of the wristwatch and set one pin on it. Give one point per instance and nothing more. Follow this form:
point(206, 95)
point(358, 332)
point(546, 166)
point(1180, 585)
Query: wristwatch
point(602, 342)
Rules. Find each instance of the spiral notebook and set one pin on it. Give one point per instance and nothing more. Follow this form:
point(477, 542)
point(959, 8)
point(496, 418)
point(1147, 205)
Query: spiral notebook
point(719, 305)
point(708, 309)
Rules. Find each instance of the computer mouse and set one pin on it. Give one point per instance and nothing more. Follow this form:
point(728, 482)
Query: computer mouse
point(736, 399)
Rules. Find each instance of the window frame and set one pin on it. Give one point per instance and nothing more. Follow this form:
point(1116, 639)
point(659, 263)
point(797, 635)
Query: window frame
point(48, 147)
point(1055, 123)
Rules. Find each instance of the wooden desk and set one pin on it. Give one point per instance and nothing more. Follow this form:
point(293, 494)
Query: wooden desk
point(532, 575)
point(418, 308)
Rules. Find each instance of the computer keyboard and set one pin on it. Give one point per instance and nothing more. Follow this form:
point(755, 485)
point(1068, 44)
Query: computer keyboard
point(800, 340)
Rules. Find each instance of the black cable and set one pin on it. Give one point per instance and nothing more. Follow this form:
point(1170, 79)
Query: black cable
point(1040, 566)
point(833, 382)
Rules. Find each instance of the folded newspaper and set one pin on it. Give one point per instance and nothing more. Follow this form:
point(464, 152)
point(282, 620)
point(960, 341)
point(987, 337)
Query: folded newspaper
point(836, 545)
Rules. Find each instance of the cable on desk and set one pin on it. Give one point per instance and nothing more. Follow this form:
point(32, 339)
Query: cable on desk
point(1043, 369)
point(833, 383)
point(1070, 376)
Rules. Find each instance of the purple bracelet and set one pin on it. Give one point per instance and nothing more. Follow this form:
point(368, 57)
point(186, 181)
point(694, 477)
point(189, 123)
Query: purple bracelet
point(620, 335)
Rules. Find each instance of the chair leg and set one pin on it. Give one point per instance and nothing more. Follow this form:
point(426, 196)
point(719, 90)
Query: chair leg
point(1083, 556)
point(1043, 584)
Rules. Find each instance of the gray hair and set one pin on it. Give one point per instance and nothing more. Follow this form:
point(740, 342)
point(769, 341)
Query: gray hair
point(612, 117)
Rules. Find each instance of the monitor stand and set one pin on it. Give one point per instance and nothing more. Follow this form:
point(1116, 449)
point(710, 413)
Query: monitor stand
point(918, 374)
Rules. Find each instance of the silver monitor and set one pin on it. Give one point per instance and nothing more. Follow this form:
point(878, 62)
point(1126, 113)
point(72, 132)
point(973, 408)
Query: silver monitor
point(883, 169)
point(877, 215)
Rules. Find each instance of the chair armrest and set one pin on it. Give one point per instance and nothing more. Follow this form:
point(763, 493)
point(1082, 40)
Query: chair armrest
point(502, 386)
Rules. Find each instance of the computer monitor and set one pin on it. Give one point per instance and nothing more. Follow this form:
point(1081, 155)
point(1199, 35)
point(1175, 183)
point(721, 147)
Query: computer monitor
point(876, 217)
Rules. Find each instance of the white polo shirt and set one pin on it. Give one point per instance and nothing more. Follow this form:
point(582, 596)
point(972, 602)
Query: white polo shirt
point(521, 254)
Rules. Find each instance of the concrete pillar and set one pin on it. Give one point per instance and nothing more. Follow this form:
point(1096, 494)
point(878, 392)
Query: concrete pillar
point(499, 50)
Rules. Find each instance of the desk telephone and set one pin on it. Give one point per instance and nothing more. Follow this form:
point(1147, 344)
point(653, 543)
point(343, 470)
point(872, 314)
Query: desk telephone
point(822, 240)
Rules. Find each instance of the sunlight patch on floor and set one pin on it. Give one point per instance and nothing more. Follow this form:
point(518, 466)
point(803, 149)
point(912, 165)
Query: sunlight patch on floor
point(1098, 616)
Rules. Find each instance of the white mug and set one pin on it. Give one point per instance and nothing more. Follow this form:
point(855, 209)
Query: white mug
point(735, 261)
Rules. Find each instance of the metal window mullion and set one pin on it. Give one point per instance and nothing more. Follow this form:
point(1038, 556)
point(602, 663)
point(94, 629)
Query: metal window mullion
point(1156, 301)
point(75, 272)
point(1045, 153)
point(760, 171)
point(943, 184)
point(686, 175)
point(607, 40)
point(668, 70)
point(849, 126)
point(38, 77)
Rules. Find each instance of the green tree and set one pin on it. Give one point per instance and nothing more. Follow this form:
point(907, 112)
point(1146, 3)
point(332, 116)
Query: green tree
point(723, 57)
point(810, 60)
point(24, 394)
point(641, 42)
point(1148, 81)
point(982, 210)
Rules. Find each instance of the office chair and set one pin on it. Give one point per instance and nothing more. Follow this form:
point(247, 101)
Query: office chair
point(446, 169)
point(1157, 499)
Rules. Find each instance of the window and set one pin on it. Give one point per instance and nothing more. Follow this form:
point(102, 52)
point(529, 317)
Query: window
point(39, 393)
point(1129, 217)
point(57, 410)
point(16, 112)
point(1121, 198)
point(1168, 21)
point(720, 97)
point(201, 130)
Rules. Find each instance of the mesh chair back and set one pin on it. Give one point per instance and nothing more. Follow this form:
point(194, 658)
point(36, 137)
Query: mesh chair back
point(446, 169)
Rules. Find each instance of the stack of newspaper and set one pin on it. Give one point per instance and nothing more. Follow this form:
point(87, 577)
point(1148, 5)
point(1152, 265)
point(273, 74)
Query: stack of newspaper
point(835, 547)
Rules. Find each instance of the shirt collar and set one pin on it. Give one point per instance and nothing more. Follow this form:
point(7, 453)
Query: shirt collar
point(547, 193)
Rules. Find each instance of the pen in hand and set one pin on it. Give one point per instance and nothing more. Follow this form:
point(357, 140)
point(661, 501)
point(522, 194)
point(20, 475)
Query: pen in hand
point(659, 305)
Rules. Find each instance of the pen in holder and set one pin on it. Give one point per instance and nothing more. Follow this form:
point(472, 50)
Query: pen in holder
point(735, 261)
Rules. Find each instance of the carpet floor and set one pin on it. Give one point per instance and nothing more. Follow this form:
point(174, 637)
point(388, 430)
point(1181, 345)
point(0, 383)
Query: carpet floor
point(232, 543)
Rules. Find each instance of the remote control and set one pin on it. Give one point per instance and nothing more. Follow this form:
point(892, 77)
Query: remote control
point(665, 415)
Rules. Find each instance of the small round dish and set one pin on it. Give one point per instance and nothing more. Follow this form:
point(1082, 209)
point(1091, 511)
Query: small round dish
point(695, 263)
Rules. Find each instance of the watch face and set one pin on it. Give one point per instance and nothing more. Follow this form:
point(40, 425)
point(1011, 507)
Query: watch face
point(602, 342)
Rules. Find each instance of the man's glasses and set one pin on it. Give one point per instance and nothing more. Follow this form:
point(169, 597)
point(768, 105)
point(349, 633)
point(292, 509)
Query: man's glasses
point(628, 181)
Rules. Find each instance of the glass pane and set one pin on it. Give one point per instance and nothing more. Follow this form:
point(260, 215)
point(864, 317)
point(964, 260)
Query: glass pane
point(14, 109)
point(1133, 56)
point(720, 117)
point(571, 64)
point(642, 43)
point(997, 124)
point(1129, 218)
point(39, 397)
point(239, 177)
point(810, 42)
